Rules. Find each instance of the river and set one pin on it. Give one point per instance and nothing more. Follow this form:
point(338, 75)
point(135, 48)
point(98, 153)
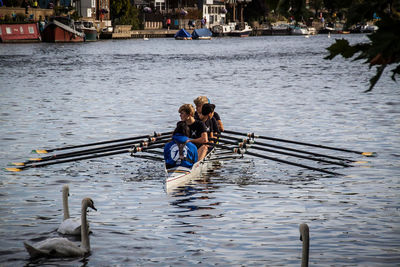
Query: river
point(243, 212)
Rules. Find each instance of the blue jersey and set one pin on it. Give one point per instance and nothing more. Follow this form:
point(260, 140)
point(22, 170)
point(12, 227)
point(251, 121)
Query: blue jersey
point(172, 156)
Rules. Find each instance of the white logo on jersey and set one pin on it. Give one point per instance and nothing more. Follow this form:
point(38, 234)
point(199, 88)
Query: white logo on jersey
point(175, 152)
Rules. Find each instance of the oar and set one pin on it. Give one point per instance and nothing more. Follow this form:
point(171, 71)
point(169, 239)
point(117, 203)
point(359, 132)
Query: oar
point(252, 135)
point(252, 141)
point(242, 151)
point(151, 140)
point(43, 151)
point(75, 159)
point(247, 146)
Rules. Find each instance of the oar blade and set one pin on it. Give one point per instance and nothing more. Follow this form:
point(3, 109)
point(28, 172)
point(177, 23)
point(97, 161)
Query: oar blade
point(40, 151)
point(18, 163)
point(13, 169)
point(35, 159)
point(369, 154)
point(360, 162)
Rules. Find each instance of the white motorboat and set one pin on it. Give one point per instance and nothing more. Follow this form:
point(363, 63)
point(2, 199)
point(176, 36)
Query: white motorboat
point(300, 30)
point(241, 30)
point(224, 29)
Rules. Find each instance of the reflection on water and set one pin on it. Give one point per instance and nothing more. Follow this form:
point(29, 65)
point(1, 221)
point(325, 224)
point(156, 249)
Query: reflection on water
point(242, 212)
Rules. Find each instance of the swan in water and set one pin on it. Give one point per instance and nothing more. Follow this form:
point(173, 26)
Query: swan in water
point(305, 237)
point(69, 226)
point(61, 247)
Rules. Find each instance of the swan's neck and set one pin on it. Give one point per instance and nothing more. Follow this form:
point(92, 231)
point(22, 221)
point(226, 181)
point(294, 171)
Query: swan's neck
point(305, 235)
point(65, 204)
point(84, 229)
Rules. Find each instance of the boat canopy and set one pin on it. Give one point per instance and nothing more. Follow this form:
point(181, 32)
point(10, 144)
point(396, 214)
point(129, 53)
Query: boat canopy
point(201, 33)
point(182, 33)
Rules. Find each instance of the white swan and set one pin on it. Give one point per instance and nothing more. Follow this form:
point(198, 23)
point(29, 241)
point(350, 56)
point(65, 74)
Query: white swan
point(305, 237)
point(62, 247)
point(69, 226)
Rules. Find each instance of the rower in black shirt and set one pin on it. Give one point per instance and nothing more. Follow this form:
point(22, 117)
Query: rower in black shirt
point(199, 102)
point(198, 131)
point(207, 117)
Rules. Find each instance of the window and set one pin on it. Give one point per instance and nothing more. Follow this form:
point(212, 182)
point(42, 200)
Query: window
point(89, 12)
point(93, 4)
point(160, 5)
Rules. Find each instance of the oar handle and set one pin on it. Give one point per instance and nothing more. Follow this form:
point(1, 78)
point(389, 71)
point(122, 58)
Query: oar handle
point(252, 135)
point(102, 142)
point(252, 141)
point(75, 157)
point(37, 165)
point(150, 140)
point(242, 151)
point(248, 146)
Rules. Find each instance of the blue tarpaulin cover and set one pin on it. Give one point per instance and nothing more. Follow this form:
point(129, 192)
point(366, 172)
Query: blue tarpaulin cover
point(182, 33)
point(203, 32)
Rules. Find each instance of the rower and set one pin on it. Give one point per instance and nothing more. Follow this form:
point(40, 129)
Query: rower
point(180, 152)
point(206, 116)
point(198, 131)
point(199, 102)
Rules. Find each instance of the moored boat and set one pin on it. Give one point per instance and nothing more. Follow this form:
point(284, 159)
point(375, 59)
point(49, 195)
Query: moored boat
point(241, 30)
point(223, 30)
point(61, 29)
point(182, 34)
point(88, 29)
point(202, 34)
point(299, 30)
point(19, 32)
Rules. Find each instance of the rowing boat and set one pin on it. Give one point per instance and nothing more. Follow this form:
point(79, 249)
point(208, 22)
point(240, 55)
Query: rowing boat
point(179, 176)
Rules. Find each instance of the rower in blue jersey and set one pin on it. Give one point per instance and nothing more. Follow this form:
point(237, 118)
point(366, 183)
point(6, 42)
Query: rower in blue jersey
point(180, 152)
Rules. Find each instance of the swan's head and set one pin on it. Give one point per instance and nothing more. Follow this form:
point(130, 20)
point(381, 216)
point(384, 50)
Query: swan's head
point(65, 190)
point(89, 203)
point(304, 231)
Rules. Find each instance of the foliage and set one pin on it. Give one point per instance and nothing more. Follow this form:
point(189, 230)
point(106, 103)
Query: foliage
point(124, 13)
point(12, 3)
point(384, 46)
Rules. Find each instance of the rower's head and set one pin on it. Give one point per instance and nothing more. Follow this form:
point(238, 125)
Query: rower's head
point(186, 111)
point(207, 111)
point(182, 128)
point(199, 102)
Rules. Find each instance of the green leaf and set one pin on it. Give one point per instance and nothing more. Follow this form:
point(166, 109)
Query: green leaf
point(341, 47)
point(375, 79)
point(396, 71)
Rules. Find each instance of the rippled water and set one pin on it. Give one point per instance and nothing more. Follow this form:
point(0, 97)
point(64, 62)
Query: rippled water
point(242, 212)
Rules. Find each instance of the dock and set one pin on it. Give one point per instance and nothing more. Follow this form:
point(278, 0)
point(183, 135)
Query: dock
point(125, 32)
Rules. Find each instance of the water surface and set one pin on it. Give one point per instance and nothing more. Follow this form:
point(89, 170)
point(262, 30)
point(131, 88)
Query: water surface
point(241, 213)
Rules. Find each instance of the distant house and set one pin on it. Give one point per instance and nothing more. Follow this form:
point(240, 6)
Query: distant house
point(93, 9)
point(214, 12)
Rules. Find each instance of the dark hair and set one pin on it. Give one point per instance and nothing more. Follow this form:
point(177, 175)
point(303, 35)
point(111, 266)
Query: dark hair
point(182, 128)
point(207, 109)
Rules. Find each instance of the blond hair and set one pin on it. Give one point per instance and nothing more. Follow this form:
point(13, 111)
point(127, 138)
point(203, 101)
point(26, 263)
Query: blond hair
point(200, 100)
point(187, 108)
